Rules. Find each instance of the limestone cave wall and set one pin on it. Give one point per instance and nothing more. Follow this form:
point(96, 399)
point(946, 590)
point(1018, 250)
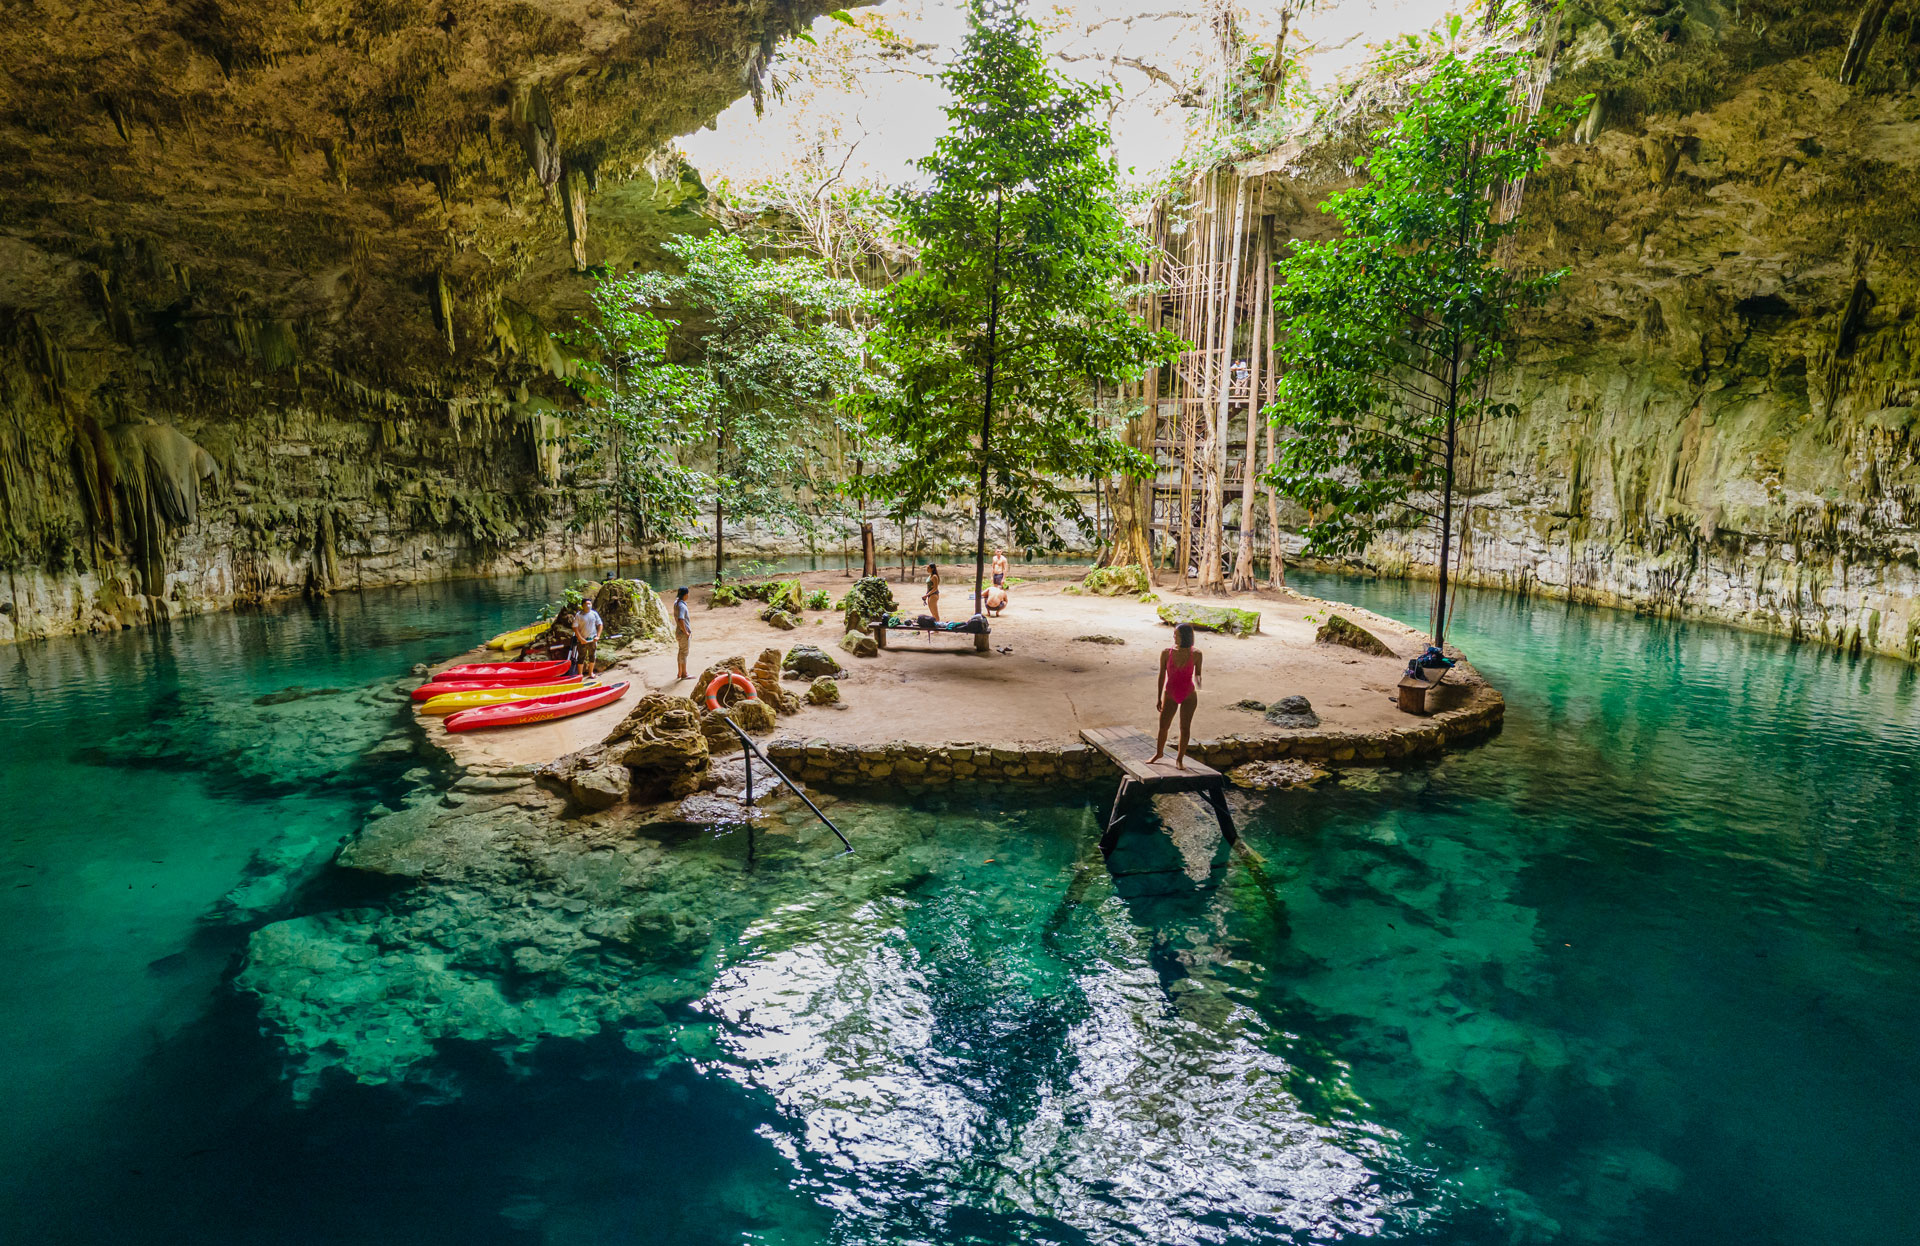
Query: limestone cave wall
point(1720, 411)
point(279, 281)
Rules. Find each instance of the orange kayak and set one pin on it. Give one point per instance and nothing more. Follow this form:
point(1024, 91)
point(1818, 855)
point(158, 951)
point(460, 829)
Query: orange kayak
point(531, 672)
point(536, 710)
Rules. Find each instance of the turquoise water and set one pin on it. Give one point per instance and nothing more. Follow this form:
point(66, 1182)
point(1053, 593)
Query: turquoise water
point(1642, 968)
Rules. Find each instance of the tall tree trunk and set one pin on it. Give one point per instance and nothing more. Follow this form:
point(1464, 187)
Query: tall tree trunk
point(1250, 459)
point(1213, 534)
point(617, 524)
point(986, 417)
point(718, 533)
point(1276, 552)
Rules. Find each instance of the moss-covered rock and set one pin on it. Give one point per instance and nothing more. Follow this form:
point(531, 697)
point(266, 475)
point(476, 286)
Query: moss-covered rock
point(1125, 581)
point(810, 661)
point(754, 716)
point(723, 595)
point(860, 645)
point(868, 599)
point(1338, 630)
point(1230, 620)
point(630, 608)
point(823, 691)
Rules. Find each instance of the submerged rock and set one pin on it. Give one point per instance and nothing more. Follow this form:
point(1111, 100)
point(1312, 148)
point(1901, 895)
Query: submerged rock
point(1284, 772)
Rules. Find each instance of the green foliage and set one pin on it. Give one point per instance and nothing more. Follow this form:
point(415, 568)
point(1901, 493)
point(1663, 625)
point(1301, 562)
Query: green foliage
point(640, 411)
point(1394, 330)
point(819, 599)
point(724, 595)
point(755, 369)
point(1125, 581)
point(1019, 300)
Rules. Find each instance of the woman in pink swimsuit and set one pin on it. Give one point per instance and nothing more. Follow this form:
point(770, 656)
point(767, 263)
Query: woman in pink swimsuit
point(1178, 688)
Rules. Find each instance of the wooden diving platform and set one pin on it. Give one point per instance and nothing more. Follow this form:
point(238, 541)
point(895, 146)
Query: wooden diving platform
point(1140, 779)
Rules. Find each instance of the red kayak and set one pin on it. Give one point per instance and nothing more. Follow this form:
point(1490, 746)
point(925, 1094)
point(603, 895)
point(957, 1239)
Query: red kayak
point(426, 692)
point(537, 710)
point(519, 672)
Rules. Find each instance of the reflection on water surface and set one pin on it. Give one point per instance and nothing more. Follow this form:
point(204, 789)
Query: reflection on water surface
point(1640, 969)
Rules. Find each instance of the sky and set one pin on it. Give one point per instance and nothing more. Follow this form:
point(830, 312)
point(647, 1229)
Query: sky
point(866, 95)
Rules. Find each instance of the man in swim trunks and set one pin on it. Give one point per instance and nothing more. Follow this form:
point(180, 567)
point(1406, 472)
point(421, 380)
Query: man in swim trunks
point(586, 627)
point(999, 568)
point(1178, 689)
point(996, 600)
point(682, 628)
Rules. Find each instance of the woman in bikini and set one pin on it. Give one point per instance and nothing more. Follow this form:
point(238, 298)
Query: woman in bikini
point(932, 597)
point(1178, 688)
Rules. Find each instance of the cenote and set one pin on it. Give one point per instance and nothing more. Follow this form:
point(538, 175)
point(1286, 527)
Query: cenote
point(1641, 968)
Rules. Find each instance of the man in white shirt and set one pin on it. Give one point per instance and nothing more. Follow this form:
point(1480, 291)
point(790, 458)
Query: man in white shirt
point(682, 628)
point(586, 627)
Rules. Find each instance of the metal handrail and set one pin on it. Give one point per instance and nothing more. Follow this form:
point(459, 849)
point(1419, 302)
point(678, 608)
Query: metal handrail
point(753, 751)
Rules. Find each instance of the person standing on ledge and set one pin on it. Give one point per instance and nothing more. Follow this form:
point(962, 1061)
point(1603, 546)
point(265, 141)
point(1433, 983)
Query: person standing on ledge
point(932, 596)
point(1178, 688)
point(682, 628)
point(586, 627)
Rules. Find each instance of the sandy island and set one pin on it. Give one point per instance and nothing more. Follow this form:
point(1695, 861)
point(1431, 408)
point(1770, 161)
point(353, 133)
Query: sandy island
point(1043, 682)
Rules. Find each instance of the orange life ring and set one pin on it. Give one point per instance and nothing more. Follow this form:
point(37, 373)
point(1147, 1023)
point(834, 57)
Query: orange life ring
point(725, 679)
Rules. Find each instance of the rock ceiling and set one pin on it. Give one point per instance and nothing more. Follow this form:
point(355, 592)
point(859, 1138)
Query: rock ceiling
point(354, 185)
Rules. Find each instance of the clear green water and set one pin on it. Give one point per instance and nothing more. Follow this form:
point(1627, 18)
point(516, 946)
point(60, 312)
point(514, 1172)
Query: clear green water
point(1640, 969)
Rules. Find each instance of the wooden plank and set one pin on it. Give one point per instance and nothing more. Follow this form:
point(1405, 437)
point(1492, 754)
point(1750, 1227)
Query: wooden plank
point(1129, 748)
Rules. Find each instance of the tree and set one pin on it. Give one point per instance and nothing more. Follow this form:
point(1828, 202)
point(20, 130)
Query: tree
point(758, 364)
point(1018, 303)
point(1392, 332)
point(641, 410)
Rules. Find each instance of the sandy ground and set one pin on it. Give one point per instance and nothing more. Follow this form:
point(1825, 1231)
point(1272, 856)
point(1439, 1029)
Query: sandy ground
point(1043, 689)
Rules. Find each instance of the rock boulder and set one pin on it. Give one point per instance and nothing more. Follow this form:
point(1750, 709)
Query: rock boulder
point(860, 645)
point(1342, 631)
point(1227, 619)
point(1292, 712)
point(868, 599)
point(823, 691)
point(810, 661)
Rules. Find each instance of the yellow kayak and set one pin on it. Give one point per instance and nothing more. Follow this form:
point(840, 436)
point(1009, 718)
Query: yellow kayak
point(449, 702)
point(517, 640)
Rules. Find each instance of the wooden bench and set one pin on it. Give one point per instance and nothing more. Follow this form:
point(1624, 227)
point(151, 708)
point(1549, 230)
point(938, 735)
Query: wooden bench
point(1415, 690)
point(880, 628)
point(1140, 779)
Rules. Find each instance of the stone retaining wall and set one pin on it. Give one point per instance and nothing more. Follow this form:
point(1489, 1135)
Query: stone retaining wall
point(822, 762)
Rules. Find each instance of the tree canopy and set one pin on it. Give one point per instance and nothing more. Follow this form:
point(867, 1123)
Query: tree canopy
point(1392, 331)
point(1019, 299)
point(754, 367)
